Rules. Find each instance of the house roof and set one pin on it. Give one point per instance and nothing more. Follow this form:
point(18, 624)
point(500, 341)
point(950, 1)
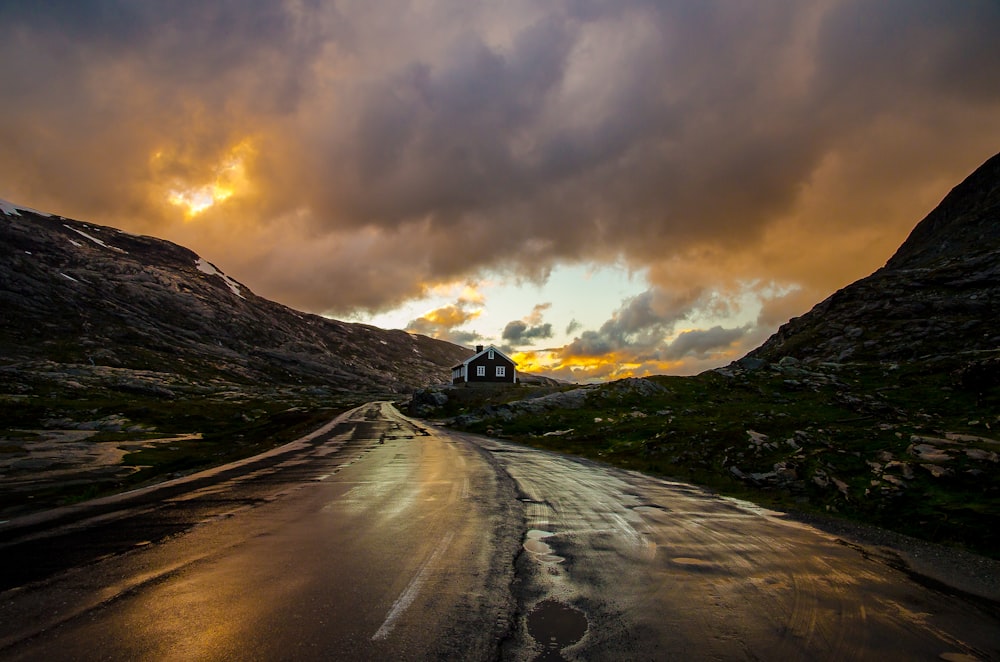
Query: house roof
point(478, 354)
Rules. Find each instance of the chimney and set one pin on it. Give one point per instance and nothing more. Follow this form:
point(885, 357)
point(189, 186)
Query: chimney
point(479, 348)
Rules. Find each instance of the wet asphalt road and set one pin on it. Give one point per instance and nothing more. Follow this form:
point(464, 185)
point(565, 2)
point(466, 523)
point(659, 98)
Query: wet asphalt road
point(381, 537)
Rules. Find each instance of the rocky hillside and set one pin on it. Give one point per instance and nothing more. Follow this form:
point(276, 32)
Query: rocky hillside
point(81, 295)
point(939, 295)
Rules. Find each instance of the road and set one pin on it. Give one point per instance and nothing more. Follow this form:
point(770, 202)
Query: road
point(383, 537)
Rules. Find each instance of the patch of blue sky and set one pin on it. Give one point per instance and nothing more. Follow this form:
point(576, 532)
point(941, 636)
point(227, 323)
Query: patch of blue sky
point(575, 297)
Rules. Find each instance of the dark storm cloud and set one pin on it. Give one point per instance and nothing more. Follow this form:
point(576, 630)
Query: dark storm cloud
point(640, 326)
point(440, 136)
point(518, 332)
point(647, 129)
point(910, 46)
point(529, 329)
point(442, 140)
point(700, 342)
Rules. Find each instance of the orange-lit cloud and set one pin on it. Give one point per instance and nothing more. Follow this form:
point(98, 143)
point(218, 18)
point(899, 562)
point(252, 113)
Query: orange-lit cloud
point(584, 369)
point(449, 316)
point(745, 157)
point(471, 295)
point(443, 323)
point(225, 179)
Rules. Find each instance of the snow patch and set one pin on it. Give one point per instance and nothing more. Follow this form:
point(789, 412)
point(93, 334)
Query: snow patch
point(92, 238)
point(207, 267)
point(68, 277)
point(76, 243)
point(10, 209)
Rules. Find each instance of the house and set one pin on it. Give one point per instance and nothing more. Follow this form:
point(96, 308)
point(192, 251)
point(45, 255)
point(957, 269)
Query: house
point(487, 366)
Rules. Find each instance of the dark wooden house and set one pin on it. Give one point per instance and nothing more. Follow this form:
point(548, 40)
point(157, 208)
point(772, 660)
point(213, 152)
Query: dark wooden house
point(487, 366)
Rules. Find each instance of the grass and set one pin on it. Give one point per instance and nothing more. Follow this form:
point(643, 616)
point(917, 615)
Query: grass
point(227, 422)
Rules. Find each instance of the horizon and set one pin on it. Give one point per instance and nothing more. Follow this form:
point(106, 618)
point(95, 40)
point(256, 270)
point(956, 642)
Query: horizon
point(601, 191)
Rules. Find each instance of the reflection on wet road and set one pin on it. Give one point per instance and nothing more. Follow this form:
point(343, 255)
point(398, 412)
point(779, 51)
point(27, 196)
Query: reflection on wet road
point(666, 571)
point(372, 540)
point(381, 537)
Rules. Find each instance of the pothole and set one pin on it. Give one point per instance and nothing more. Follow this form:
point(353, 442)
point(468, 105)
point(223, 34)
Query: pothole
point(555, 626)
point(534, 543)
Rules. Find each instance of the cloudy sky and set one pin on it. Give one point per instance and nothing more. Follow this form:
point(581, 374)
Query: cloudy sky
point(604, 188)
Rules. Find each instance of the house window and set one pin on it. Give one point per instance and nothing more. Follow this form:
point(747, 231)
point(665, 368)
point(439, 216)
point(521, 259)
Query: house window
point(491, 355)
point(501, 371)
point(480, 371)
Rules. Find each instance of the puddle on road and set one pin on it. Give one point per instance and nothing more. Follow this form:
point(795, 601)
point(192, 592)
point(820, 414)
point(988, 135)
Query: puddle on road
point(535, 544)
point(555, 626)
point(695, 565)
point(958, 657)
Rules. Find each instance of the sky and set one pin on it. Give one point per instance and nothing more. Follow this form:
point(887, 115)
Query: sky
point(601, 188)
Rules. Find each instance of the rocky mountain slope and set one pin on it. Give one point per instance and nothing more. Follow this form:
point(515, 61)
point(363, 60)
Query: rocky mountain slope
point(126, 359)
point(939, 295)
point(78, 294)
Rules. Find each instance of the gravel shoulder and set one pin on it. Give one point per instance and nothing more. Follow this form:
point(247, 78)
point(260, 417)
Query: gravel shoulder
point(946, 569)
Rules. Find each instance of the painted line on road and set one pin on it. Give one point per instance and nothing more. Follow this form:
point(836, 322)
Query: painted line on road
point(407, 597)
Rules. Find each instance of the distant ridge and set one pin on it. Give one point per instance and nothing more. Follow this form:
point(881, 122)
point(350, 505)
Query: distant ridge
point(75, 293)
point(939, 295)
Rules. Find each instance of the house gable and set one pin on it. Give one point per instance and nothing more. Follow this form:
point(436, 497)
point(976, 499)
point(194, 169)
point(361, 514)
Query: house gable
point(487, 365)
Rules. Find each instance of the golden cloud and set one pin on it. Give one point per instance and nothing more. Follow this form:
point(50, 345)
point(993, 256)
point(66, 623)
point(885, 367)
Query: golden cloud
point(224, 179)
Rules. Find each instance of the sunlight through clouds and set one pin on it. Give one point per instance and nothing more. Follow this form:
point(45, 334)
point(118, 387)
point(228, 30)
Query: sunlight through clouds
point(229, 178)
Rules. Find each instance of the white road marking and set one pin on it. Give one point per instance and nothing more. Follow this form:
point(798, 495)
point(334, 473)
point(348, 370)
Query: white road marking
point(407, 597)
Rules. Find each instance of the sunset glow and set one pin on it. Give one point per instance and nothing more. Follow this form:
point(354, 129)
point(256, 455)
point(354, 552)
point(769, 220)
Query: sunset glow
point(230, 178)
point(587, 369)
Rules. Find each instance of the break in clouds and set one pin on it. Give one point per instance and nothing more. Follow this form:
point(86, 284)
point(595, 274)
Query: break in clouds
point(359, 153)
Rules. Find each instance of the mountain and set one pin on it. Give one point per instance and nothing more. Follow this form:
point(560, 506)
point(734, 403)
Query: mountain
point(938, 296)
point(80, 297)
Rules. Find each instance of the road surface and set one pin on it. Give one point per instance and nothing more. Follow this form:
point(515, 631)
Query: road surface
point(382, 537)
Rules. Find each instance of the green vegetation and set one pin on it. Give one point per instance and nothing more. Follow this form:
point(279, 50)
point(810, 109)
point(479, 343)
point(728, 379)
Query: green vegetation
point(167, 432)
point(909, 447)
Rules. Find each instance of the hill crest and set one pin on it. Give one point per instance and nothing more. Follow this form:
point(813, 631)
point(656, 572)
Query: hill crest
point(936, 296)
point(84, 294)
